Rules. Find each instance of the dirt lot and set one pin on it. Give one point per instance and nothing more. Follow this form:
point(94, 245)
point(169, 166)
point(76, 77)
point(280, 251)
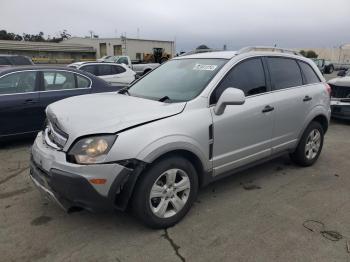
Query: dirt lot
point(256, 215)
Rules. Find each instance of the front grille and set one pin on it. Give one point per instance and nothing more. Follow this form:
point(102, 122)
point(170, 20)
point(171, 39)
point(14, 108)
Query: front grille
point(54, 136)
point(340, 91)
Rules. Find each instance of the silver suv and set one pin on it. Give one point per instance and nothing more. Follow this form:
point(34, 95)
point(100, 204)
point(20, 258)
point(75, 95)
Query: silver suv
point(191, 121)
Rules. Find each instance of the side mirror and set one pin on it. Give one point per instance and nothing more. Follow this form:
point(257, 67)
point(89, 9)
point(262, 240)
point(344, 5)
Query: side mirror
point(341, 73)
point(231, 96)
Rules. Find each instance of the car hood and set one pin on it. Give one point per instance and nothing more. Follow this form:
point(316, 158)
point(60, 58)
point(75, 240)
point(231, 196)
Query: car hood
point(340, 81)
point(106, 113)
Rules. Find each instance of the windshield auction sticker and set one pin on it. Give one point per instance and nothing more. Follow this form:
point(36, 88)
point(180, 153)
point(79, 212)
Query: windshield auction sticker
point(201, 67)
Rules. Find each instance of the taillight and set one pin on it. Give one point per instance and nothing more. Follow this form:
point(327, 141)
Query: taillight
point(328, 89)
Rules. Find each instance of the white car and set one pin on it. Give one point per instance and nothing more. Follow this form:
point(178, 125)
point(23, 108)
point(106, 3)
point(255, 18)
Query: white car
point(114, 74)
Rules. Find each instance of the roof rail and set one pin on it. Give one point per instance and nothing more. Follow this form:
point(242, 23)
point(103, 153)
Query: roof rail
point(267, 48)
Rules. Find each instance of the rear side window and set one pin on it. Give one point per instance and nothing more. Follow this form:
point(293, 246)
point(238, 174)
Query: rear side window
point(21, 82)
point(117, 70)
point(104, 70)
point(57, 80)
point(248, 76)
point(4, 61)
point(89, 68)
point(82, 82)
point(309, 74)
point(284, 72)
point(20, 60)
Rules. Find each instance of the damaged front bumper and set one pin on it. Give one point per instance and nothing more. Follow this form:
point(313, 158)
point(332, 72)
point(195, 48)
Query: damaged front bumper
point(69, 184)
point(340, 108)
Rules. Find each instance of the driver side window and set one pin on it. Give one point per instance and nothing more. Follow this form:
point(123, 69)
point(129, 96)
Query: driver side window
point(20, 82)
point(248, 76)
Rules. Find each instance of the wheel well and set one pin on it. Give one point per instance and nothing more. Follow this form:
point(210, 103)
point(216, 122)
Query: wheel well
point(323, 121)
point(196, 162)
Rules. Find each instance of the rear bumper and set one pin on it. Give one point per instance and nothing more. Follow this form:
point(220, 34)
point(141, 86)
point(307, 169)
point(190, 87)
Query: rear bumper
point(69, 184)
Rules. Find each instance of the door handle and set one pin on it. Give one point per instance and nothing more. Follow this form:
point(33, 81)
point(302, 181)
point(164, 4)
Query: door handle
point(268, 108)
point(307, 98)
point(30, 101)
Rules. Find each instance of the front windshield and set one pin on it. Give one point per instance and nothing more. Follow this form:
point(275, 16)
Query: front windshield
point(177, 80)
point(348, 72)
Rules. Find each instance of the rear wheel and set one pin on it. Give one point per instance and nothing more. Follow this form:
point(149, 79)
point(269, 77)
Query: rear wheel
point(165, 192)
point(310, 145)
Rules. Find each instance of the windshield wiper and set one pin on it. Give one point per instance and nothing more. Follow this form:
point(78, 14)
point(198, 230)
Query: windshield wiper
point(124, 90)
point(164, 98)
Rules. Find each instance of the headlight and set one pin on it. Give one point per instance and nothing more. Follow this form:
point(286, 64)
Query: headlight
point(91, 150)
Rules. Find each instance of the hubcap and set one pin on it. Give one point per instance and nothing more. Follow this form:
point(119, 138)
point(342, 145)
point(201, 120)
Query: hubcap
point(170, 193)
point(313, 143)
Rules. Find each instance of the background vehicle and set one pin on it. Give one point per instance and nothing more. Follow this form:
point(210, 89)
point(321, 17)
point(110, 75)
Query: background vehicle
point(116, 75)
point(12, 60)
point(195, 119)
point(25, 92)
point(340, 100)
point(325, 66)
point(141, 68)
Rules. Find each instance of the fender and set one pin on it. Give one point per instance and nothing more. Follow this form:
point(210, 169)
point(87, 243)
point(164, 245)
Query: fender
point(316, 111)
point(171, 143)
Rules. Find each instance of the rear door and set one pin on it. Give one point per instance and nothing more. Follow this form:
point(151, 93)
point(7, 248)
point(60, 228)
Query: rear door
point(290, 99)
point(19, 103)
point(59, 84)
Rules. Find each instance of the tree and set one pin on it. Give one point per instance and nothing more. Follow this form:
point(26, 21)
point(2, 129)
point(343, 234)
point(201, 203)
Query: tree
point(311, 54)
point(303, 52)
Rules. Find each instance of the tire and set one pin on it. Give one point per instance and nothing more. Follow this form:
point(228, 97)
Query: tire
point(149, 210)
point(308, 150)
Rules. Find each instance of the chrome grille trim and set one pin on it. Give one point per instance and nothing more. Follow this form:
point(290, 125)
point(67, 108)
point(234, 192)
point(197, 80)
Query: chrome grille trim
point(54, 137)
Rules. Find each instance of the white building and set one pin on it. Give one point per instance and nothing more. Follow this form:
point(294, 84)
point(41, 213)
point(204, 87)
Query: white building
point(135, 48)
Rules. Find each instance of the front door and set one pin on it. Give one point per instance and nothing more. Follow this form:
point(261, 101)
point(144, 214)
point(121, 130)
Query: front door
point(19, 103)
point(242, 134)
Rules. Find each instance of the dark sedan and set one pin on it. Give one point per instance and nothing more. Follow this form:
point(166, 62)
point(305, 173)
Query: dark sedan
point(26, 91)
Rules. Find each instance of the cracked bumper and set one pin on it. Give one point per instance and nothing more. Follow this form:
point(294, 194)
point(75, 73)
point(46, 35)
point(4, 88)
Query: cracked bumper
point(68, 184)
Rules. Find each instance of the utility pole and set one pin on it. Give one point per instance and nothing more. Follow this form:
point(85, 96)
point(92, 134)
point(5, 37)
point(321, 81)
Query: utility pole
point(138, 33)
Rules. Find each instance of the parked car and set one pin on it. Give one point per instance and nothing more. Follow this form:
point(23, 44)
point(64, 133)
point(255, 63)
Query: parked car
point(13, 60)
point(139, 67)
point(26, 91)
point(191, 121)
point(116, 75)
point(340, 101)
point(325, 66)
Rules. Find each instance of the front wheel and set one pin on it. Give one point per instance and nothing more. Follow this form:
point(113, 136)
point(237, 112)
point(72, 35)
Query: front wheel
point(165, 192)
point(310, 145)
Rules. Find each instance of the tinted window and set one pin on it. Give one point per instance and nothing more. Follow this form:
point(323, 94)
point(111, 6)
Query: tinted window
point(309, 73)
point(4, 61)
point(284, 73)
point(123, 60)
point(83, 82)
point(117, 70)
point(89, 68)
point(104, 70)
point(21, 82)
point(248, 76)
point(20, 60)
point(58, 80)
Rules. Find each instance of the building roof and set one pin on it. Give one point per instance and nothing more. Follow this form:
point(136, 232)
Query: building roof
point(43, 46)
point(114, 38)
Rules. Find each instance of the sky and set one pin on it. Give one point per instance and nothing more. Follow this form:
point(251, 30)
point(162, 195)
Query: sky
point(235, 23)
